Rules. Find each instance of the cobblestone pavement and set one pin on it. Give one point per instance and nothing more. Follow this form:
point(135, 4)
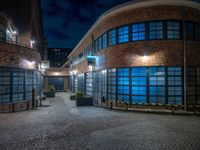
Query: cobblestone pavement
point(60, 125)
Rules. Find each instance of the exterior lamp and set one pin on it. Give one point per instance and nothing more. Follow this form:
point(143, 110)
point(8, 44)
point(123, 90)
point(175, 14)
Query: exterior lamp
point(145, 57)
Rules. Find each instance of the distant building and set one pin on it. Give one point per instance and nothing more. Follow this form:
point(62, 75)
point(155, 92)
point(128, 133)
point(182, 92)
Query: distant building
point(58, 56)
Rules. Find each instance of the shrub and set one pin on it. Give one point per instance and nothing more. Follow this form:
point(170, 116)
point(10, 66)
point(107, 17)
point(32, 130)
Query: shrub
point(52, 88)
point(79, 95)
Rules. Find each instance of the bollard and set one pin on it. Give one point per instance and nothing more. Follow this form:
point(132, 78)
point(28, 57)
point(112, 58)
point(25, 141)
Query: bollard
point(126, 106)
point(148, 108)
point(33, 98)
point(110, 105)
point(173, 109)
point(27, 105)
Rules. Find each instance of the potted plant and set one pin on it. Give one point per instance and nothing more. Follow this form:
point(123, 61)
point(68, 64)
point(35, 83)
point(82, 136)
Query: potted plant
point(83, 101)
point(51, 91)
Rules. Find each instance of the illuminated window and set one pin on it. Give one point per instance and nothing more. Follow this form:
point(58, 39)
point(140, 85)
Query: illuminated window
point(123, 34)
point(123, 84)
point(138, 32)
point(112, 37)
point(139, 83)
point(155, 30)
point(173, 30)
point(105, 40)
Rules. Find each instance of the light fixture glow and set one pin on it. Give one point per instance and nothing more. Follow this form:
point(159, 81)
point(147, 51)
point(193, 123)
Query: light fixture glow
point(145, 57)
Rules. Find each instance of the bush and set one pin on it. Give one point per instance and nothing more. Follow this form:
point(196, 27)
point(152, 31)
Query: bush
point(52, 88)
point(79, 95)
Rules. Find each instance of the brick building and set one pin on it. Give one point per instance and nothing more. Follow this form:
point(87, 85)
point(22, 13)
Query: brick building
point(58, 56)
point(21, 46)
point(138, 52)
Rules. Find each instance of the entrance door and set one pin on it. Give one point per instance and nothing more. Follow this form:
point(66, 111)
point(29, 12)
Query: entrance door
point(58, 82)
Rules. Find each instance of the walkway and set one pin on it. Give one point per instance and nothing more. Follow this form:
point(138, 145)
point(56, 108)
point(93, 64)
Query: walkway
point(60, 125)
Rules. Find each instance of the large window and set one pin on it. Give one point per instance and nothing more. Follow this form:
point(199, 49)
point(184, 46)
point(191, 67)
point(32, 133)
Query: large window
point(89, 84)
point(28, 84)
point(191, 85)
point(157, 85)
point(138, 32)
point(174, 85)
point(2, 33)
point(100, 43)
point(112, 37)
point(123, 34)
point(123, 84)
point(173, 30)
point(105, 40)
point(139, 85)
point(197, 32)
point(112, 84)
point(156, 30)
point(96, 45)
point(18, 85)
point(189, 31)
point(4, 86)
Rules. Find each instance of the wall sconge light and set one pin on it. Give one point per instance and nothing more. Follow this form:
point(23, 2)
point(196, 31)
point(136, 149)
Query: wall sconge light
point(145, 57)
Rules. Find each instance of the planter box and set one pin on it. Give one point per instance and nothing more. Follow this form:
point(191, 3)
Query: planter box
point(88, 101)
point(49, 94)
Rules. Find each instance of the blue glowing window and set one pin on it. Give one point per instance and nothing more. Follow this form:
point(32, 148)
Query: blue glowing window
point(105, 40)
point(138, 32)
point(112, 37)
point(139, 99)
point(173, 30)
point(123, 34)
point(123, 72)
point(142, 71)
point(156, 30)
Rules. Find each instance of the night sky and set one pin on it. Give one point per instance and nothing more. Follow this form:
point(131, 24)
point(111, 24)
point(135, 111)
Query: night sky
point(67, 21)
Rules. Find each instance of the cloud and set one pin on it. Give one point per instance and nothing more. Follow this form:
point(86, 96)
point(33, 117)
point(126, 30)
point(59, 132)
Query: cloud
point(66, 21)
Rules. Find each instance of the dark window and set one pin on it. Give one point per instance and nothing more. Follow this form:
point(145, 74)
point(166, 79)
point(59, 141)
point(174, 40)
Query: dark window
point(123, 34)
point(156, 30)
point(112, 84)
point(197, 32)
point(157, 85)
point(173, 30)
point(105, 40)
point(96, 45)
point(189, 31)
point(138, 32)
point(112, 37)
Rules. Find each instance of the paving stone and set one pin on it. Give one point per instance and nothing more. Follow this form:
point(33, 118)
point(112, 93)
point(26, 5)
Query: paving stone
point(62, 126)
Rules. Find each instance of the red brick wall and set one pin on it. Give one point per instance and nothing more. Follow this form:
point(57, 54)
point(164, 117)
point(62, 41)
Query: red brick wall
point(12, 55)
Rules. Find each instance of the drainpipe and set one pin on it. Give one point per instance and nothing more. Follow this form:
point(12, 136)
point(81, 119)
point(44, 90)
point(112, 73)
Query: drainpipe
point(184, 57)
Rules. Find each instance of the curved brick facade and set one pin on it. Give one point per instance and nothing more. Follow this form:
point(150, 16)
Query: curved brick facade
point(161, 68)
point(160, 52)
point(12, 55)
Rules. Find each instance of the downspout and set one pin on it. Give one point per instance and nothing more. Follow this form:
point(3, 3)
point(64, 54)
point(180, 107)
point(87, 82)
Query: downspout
point(184, 58)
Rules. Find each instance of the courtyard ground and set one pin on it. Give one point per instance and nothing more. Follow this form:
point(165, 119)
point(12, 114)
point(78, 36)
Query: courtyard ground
point(60, 125)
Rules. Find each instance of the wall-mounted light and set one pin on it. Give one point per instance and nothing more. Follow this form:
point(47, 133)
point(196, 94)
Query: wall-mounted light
point(103, 71)
point(15, 32)
point(145, 57)
point(31, 43)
